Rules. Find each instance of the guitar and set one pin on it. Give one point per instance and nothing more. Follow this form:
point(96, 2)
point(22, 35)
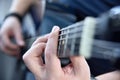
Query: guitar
point(91, 37)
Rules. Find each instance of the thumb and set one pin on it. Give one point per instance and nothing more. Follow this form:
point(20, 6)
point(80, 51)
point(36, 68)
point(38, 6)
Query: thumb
point(19, 37)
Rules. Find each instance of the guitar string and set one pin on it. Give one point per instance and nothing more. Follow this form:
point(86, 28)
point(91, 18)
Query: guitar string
point(79, 24)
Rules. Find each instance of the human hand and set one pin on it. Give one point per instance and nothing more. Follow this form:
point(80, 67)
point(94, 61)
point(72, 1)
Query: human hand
point(52, 70)
point(11, 28)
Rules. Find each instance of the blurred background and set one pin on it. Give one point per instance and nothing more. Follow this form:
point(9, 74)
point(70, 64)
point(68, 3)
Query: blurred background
point(7, 63)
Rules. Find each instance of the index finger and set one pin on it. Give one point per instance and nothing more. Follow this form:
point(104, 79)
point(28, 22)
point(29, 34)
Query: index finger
point(51, 59)
point(33, 60)
point(41, 39)
point(8, 43)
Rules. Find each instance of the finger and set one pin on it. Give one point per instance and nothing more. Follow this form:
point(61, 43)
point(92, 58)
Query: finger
point(33, 60)
point(51, 59)
point(41, 39)
point(8, 43)
point(19, 37)
point(80, 65)
point(10, 52)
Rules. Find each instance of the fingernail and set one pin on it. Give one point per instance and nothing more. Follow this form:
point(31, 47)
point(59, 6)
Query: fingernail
point(55, 28)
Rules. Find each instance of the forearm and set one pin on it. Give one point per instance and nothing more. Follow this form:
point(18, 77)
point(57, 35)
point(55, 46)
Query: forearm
point(21, 6)
point(37, 10)
point(109, 76)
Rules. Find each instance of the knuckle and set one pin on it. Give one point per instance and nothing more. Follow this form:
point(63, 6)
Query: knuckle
point(36, 41)
point(48, 54)
point(25, 57)
point(40, 45)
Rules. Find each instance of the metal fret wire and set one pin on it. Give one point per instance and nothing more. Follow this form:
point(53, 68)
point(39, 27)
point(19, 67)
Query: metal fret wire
point(73, 32)
point(66, 40)
point(71, 37)
point(73, 42)
point(72, 26)
point(67, 32)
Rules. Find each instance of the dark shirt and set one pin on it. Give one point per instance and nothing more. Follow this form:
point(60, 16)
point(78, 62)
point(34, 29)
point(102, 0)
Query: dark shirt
point(90, 7)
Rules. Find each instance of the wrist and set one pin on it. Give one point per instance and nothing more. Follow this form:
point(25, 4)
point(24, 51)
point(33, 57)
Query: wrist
point(15, 15)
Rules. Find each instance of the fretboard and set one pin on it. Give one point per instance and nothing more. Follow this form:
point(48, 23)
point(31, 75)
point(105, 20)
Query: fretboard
point(70, 43)
point(70, 38)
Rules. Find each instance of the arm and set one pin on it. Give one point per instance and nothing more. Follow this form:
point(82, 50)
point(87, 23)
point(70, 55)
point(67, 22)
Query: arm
point(11, 27)
point(21, 6)
point(37, 11)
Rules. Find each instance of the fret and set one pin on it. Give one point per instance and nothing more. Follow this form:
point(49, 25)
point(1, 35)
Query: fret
point(79, 29)
point(73, 42)
point(65, 34)
point(70, 34)
point(70, 29)
point(69, 45)
point(65, 48)
point(61, 47)
point(77, 45)
point(71, 37)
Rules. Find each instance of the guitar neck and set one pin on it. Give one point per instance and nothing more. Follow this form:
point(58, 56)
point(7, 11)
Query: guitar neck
point(69, 43)
point(106, 50)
